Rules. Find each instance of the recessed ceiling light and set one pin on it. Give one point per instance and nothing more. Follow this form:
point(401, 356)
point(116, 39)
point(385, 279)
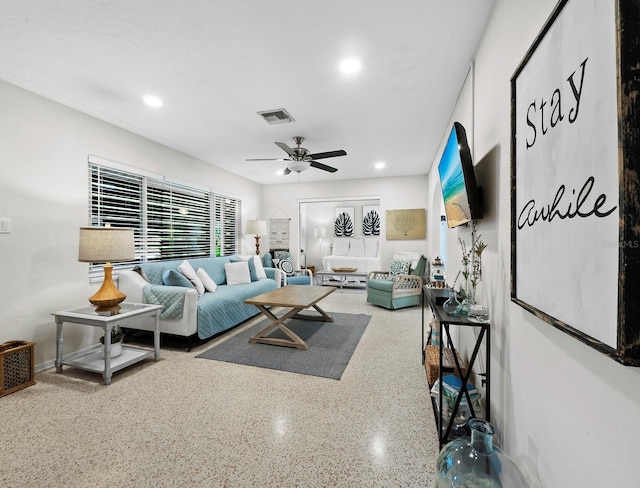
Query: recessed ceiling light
point(350, 65)
point(379, 165)
point(152, 101)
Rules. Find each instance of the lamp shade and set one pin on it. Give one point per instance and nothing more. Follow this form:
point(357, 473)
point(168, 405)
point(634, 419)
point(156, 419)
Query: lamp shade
point(319, 233)
point(106, 244)
point(256, 227)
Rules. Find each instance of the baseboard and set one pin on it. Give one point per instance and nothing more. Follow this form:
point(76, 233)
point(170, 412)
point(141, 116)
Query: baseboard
point(52, 362)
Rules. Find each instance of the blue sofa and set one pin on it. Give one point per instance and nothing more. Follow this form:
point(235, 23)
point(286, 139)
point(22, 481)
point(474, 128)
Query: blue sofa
point(184, 313)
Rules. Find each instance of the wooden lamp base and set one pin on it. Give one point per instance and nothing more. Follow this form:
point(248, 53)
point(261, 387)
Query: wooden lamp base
point(108, 296)
point(257, 244)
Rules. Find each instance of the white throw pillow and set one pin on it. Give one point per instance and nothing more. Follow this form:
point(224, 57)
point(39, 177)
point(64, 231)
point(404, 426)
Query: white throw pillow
point(356, 248)
point(340, 247)
point(412, 257)
point(260, 273)
point(371, 248)
point(208, 283)
point(187, 270)
point(237, 273)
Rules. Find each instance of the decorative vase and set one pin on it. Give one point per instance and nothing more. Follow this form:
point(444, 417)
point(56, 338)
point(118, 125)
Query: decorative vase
point(116, 350)
point(475, 462)
point(452, 304)
point(462, 416)
point(468, 290)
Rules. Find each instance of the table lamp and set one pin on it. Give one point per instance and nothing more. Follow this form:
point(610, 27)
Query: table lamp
point(258, 228)
point(106, 245)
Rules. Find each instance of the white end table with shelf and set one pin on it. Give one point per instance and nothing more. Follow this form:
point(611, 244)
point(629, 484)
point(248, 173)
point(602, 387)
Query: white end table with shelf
point(98, 358)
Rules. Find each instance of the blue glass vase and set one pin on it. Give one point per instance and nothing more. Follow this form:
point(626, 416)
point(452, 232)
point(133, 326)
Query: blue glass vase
point(476, 463)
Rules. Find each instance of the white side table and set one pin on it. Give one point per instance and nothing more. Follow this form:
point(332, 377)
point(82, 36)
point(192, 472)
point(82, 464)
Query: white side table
point(98, 358)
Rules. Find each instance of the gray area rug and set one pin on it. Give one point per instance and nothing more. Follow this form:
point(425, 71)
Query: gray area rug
point(331, 345)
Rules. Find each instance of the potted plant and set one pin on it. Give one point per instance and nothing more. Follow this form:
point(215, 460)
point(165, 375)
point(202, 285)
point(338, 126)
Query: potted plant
point(117, 336)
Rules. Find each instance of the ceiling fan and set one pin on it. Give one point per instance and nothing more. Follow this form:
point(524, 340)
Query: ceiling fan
point(300, 159)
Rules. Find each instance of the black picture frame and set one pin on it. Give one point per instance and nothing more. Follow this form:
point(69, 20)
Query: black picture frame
point(561, 293)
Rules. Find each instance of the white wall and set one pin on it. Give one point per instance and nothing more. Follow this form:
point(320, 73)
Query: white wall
point(281, 201)
point(567, 414)
point(44, 190)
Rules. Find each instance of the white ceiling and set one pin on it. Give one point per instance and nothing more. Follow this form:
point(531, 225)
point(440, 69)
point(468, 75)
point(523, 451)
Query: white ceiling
point(215, 63)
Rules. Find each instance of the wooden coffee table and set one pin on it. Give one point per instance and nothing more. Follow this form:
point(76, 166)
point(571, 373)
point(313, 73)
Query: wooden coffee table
point(297, 298)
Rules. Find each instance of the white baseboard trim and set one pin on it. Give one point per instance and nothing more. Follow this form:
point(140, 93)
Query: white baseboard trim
point(52, 362)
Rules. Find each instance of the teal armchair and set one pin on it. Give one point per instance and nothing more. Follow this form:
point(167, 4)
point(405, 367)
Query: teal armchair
point(397, 291)
point(289, 275)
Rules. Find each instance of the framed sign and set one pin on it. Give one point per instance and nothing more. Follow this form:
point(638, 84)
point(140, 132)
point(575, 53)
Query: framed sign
point(575, 153)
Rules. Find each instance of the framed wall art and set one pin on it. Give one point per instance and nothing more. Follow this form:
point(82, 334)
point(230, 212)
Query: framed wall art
point(371, 220)
point(575, 153)
point(406, 224)
point(343, 221)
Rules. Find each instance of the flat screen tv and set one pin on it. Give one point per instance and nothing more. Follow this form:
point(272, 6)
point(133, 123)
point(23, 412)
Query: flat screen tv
point(462, 198)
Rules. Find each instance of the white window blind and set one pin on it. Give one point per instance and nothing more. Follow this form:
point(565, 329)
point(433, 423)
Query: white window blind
point(178, 222)
point(170, 220)
point(226, 213)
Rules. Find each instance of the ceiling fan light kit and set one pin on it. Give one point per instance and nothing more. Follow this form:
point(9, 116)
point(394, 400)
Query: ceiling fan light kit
point(300, 159)
point(298, 166)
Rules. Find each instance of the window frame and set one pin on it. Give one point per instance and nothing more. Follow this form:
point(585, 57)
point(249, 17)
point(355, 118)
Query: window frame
point(205, 223)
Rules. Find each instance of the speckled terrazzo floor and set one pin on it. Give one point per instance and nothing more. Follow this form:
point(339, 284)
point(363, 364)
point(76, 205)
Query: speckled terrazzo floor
point(188, 422)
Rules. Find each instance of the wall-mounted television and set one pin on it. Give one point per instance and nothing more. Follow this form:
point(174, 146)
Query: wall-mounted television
point(462, 197)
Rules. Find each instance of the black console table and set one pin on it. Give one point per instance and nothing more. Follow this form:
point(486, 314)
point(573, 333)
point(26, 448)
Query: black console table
point(433, 298)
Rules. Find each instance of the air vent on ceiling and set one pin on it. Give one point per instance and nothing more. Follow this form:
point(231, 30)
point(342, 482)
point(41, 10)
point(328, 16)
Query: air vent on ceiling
point(277, 116)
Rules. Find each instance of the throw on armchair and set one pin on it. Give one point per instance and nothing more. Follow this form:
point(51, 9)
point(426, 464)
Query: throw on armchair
point(399, 287)
point(282, 261)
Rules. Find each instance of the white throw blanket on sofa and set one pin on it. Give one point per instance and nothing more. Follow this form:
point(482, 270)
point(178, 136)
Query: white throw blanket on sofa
point(351, 252)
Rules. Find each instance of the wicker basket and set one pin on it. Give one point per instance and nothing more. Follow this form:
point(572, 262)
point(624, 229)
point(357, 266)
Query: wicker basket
point(432, 356)
point(16, 366)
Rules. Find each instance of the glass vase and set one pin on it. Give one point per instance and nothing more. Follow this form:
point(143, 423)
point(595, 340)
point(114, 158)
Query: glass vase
point(452, 304)
point(460, 419)
point(468, 289)
point(476, 462)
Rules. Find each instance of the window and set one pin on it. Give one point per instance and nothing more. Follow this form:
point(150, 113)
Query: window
point(178, 222)
point(170, 220)
point(227, 225)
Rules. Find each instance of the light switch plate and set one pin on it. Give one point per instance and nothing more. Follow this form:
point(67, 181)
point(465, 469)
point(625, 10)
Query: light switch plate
point(5, 226)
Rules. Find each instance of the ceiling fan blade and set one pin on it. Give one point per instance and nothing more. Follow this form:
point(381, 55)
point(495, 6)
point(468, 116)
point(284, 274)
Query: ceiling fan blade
point(329, 154)
point(324, 167)
point(286, 171)
point(285, 148)
point(268, 159)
